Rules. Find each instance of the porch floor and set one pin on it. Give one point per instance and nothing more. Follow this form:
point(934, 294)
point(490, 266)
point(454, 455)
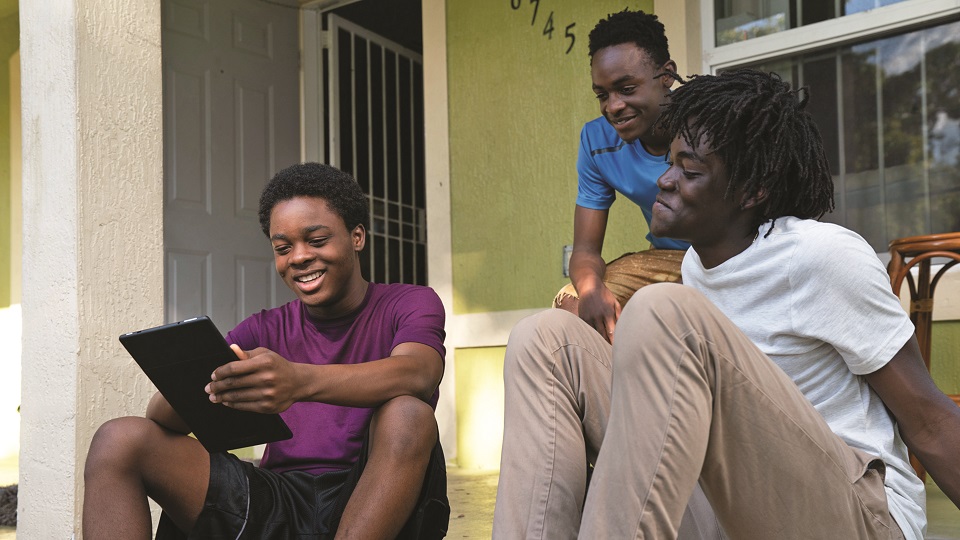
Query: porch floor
point(473, 493)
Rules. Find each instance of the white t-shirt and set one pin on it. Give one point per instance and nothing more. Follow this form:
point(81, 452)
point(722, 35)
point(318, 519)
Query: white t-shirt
point(814, 297)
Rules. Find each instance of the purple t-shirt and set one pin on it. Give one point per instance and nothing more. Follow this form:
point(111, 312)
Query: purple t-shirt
point(328, 437)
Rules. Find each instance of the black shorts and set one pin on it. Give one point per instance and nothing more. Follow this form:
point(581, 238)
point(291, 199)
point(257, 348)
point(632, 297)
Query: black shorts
point(245, 501)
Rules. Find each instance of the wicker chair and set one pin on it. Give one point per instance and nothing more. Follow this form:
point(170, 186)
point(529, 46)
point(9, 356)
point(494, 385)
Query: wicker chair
point(905, 253)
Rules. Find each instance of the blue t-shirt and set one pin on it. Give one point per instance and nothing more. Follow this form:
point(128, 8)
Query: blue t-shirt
point(607, 164)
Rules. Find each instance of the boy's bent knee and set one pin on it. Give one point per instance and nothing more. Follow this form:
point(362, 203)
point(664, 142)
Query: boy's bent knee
point(121, 433)
point(405, 409)
point(657, 292)
point(118, 442)
point(405, 423)
point(663, 296)
point(545, 331)
point(542, 325)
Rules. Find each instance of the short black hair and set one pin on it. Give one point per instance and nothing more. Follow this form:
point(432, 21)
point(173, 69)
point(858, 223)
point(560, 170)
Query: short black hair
point(760, 129)
point(642, 29)
point(341, 192)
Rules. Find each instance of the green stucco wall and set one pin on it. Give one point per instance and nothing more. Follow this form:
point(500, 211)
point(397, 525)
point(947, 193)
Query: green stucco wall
point(9, 43)
point(945, 356)
point(517, 102)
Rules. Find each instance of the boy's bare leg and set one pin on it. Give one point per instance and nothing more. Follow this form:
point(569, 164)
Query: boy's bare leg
point(131, 459)
point(403, 433)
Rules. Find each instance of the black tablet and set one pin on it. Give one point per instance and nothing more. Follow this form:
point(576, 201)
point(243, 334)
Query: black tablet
point(179, 358)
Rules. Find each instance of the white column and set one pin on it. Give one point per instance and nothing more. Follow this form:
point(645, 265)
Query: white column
point(92, 236)
point(437, 171)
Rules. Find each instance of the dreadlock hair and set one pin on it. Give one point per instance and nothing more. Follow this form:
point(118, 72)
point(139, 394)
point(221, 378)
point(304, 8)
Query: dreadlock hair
point(340, 191)
point(760, 130)
point(642, 29)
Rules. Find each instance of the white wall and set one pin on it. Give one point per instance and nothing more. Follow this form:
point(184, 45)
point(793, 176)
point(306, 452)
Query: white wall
point(92, 224)
point(437, 162)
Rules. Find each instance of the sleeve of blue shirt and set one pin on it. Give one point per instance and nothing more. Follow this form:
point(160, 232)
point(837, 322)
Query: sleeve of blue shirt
point(593, 191)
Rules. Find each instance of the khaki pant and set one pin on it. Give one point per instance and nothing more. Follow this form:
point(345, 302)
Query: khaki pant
point(631, 271)
point(557, 390)
point(693, 398)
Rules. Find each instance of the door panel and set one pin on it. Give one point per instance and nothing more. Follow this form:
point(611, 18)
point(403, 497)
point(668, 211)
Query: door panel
point(231, 120)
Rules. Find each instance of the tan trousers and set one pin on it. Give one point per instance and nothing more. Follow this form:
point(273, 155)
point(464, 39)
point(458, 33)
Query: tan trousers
point(693, 398)
point(557, 392)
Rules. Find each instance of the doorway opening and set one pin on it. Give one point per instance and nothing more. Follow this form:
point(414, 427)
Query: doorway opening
point(363, 104)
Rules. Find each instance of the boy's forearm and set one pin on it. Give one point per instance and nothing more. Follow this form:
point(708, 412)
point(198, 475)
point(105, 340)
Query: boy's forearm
point(586, 271)
point(938, 452)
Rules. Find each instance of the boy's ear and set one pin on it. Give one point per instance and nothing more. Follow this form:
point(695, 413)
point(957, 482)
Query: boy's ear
point(753, 200)
point(359, 237)
point(668, 80)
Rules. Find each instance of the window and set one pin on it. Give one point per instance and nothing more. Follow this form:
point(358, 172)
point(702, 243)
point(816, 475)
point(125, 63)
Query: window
point(888, 108)
point(740, 20)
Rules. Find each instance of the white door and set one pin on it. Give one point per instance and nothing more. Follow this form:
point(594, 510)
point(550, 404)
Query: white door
point(231, 120)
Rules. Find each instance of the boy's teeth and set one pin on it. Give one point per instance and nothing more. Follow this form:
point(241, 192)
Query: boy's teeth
point(310, 277)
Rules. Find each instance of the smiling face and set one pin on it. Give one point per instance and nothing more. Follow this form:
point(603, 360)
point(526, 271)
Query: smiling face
point(630, 95)
point(692, 205)
point(316, 256)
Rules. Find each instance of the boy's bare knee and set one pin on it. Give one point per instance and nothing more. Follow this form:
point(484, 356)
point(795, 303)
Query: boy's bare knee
point(117, 443)
point(405, 425)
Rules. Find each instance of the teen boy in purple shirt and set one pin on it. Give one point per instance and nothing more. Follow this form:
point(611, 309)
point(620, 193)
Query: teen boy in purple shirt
point(353, 367)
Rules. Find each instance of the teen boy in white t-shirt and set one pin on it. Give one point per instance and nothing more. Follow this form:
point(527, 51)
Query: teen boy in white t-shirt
point(783, 375)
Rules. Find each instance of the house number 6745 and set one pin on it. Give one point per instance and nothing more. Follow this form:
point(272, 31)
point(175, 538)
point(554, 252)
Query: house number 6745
point(548, 26)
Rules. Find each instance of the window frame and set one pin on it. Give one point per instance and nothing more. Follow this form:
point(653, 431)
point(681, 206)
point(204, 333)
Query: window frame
point(873, 23)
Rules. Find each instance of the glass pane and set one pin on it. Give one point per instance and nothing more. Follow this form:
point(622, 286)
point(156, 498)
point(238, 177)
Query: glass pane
point(902, 89)
point(856, 6)
point(860, 185)
point(816, 11)
point(942, 64)
point(740, 20)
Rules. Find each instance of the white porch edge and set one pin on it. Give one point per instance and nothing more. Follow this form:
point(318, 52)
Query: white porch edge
point(437, 171)
point(489, 329)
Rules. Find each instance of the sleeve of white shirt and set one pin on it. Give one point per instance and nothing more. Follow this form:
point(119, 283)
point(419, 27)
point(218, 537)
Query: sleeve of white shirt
point(841, 294)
